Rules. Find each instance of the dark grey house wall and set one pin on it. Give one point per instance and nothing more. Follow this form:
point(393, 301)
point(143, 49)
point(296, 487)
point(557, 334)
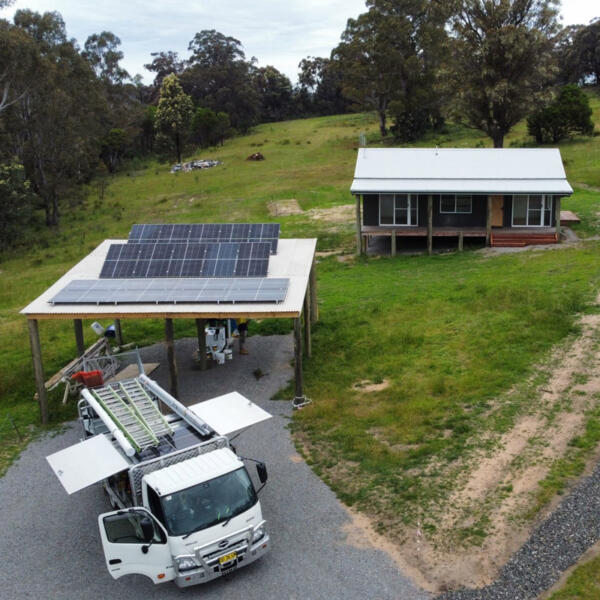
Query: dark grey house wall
point(476, 218)
point(371, 209)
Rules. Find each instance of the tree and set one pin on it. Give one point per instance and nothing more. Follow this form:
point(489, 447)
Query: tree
point(209, 128)
point(163, 64)
point(174, 113)
point(390, 52)
point(220, 78)
point(275, 93)
point(114, 144)
point(54, 128)
point(320, 81)
point(503, 61)
point(569, 113)
point(18, 64)
point(579, 53)
point(101, 51)
point(16, 202)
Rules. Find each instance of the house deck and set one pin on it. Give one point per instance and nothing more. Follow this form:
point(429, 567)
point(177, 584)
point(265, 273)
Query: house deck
point(403, 231)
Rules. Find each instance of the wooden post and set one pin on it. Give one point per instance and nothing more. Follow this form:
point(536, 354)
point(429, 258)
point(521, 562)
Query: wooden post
point(358, 226)
point(171, 357)
point(307, 325)
point(78, 326)
point(312, 283)
point(393, 243)
point(118, 332)
point(200, 328)
point(488, 223)
point(557, 216)
point(460, 241)
point(38, 369)
point(299, 384)
point(430, 224)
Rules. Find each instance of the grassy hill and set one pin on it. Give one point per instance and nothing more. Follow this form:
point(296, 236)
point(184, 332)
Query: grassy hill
point(457, 346)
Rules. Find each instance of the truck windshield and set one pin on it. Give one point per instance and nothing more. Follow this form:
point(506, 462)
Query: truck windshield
point(208, 503)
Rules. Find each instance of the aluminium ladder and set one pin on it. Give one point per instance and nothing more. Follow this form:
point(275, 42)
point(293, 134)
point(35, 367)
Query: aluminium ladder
point(134, 412)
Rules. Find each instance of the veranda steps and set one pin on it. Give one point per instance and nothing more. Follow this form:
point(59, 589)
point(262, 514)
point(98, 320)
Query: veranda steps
point(520, 240)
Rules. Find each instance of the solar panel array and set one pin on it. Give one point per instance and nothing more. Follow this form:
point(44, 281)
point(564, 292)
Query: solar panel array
point(207, 232)
point(175, 260)
point(169, 291)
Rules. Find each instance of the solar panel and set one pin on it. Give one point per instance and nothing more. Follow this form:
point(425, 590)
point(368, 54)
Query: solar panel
point(172, 291)
point(207, 232)
point(173, 259)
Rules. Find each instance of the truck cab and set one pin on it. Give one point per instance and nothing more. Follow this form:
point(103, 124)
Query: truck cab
point(199, 520)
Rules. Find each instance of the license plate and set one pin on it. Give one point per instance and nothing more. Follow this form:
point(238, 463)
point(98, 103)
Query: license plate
point(228, 557)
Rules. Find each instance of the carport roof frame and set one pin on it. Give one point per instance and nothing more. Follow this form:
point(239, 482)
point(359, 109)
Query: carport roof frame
point(293, 260)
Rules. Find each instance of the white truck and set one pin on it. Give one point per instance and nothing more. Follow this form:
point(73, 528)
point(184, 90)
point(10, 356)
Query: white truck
point(186, 509)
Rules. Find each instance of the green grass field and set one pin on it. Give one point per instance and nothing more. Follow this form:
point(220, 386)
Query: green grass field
point(448, 334)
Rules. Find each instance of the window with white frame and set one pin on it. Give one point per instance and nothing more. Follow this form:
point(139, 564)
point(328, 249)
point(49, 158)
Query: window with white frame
point(532, 211)
point(398, 209)
point(456, 203)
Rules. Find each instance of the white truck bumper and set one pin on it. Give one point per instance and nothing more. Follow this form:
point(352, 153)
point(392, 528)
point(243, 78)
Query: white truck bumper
point(216, 569)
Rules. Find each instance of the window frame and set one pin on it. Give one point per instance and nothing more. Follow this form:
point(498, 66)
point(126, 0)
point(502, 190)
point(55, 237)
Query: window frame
point(455, 211)
point(411, 198)
point(546, 198)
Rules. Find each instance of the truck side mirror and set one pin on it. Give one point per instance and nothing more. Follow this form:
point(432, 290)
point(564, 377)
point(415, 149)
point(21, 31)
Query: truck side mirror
point(261, 469)
point(147, 529)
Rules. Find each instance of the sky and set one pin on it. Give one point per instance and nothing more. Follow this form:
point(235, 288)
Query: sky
point(277, 32)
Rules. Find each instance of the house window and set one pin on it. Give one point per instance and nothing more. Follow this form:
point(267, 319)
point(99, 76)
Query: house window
point(456, 203)
point(532, 211)
point(398, 209)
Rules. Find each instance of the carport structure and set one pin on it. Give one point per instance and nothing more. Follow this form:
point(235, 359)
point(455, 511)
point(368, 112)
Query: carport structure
point(295, 261)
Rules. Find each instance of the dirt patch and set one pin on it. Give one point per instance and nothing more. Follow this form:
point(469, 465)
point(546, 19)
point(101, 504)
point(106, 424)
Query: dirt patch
point(323, 254)
point(367, 385)
point(296, 458)
point(284, 208)
point(336, 214)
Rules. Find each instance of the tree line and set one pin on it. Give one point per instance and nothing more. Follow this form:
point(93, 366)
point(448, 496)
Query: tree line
point(69, 113)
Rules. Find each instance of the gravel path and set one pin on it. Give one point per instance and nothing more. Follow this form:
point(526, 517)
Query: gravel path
point(553, 547)
point(50, 545)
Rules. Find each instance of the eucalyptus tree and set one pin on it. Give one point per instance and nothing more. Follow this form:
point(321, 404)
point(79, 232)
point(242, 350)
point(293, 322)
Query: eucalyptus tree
point(503, 60)
point(219, 77)
point(54, 128)
point(388, 53)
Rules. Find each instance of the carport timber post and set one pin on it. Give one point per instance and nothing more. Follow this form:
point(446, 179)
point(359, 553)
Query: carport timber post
point(38, 368)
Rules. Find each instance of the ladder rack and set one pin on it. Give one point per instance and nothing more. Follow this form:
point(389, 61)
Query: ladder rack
point(135, 413)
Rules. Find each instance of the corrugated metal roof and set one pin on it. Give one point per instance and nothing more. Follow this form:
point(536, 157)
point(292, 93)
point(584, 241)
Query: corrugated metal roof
point(189, 472)
point(476, 170)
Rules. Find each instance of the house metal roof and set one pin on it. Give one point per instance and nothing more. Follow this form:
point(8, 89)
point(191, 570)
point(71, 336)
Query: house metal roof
point(466, 170)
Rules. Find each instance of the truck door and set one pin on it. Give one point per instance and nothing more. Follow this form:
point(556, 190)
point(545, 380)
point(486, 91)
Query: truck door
point(132, 545)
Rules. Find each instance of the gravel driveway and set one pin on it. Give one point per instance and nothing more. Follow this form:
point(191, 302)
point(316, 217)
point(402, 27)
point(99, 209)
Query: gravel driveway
point(50, 544)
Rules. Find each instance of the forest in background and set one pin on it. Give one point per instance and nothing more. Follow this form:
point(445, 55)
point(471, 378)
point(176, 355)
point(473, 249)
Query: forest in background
point(70, 114)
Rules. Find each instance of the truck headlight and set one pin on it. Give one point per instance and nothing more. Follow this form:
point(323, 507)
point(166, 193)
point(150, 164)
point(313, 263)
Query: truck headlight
point(259, 532)
point(186, 563)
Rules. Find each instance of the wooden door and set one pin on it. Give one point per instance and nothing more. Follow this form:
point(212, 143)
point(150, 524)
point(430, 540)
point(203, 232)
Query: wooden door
point(497, 211)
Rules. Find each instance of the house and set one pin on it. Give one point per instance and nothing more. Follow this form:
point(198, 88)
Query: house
point(509, 197)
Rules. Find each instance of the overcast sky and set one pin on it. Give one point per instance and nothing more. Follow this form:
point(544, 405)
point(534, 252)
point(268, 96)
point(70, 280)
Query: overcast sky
point(276, 32)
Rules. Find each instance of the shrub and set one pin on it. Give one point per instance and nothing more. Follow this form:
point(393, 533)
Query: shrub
point(17, 202)
point(570, 113)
